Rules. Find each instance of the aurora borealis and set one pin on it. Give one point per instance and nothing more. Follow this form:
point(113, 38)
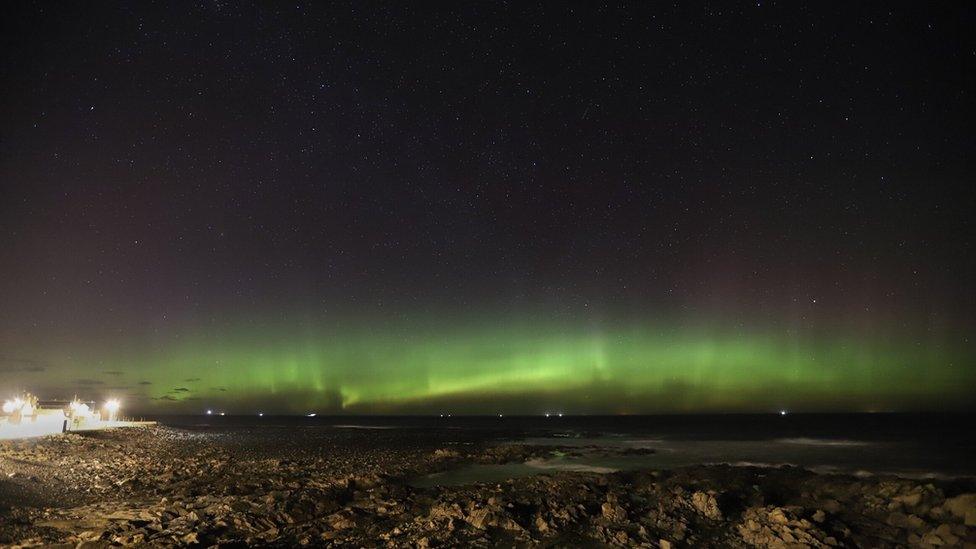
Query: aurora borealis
point(529, 367)
point(488, 209)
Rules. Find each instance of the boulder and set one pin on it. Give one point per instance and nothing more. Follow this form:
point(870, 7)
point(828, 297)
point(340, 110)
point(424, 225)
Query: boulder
point(446, 453)
point(944, 531)
point(707, 505)
point(484, 517)
point(479, 518)
point(340, 521)
point(777, 516)
point(908, 522)
point(909, 500)
point(613, 512)
point(445, 511)
point(964, 507)
point(541, 524)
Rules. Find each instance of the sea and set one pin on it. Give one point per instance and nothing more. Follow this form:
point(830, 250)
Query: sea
point(938, 446)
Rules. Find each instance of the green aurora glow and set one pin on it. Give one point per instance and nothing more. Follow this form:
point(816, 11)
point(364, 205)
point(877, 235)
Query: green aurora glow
point(533, 367)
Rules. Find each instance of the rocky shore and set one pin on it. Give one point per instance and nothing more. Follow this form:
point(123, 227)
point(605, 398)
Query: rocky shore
point(163, 486)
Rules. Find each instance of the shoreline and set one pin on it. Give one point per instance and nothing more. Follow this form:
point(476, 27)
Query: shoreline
point(167, 486)
point(47, 428)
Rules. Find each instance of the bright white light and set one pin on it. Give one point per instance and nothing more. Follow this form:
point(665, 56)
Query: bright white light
point(260, 414)
point(782, 412)
point(209, 412)
point(560, 414)
point(11, 406)
point(112, 406)
point(311, 415)
point(223, 413)
point(547, 414)
point(79, 409)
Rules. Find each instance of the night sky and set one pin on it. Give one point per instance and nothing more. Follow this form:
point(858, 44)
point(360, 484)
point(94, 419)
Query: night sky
point(484, 207)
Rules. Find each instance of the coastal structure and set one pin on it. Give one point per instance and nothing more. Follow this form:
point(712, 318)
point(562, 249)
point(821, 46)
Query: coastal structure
point(27, 416)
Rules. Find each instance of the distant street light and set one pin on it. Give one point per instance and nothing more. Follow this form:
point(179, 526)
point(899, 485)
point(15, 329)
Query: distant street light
point(112, 406)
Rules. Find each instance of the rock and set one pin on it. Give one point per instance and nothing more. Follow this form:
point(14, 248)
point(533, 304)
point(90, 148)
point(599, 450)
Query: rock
point(901, 520)
point(446, 453)
point(909, 500)
point(779, 527)
point(613, 512)
point(707, 505)
point(831, 506)
point(478, 518)
point(939, 513)
point(777, 516)
point(213, 497)
point(89, 535)
point(964, 507)
point(484, 517)
point(92, 544)
point(944, 531)
point(340, 521)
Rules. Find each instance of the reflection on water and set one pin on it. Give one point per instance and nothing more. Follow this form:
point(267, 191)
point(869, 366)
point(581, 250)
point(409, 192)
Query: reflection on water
point(600, 455)
point(915, 445)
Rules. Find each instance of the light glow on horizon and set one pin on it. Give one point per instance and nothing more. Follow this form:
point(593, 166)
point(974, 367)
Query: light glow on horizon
point(642, 368)
point(515, 366)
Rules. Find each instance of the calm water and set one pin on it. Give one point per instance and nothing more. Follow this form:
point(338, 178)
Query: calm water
point(916, 445)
